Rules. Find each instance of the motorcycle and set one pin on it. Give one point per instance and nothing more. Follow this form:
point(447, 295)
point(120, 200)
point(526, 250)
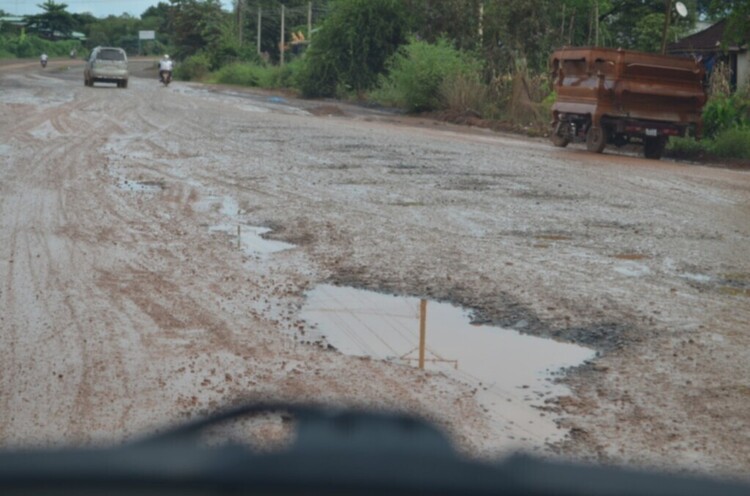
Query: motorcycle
point(43, 62)
point(165, 77)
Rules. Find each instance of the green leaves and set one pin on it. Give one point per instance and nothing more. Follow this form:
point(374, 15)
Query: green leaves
point(353, 45)
point(418, 71)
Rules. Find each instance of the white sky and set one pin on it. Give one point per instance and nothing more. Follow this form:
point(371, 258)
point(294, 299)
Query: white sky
point(100, 8)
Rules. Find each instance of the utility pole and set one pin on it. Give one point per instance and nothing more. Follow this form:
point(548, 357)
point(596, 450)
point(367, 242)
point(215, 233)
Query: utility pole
point(281, 46)
point(667, 15)
point(422, 331)
point(309, 21)
point(596, 21)
point(481, 23)
point(260, 15)
point(239, 21)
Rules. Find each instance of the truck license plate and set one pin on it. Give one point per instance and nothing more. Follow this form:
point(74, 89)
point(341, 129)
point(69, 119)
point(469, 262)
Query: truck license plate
point(651, 132)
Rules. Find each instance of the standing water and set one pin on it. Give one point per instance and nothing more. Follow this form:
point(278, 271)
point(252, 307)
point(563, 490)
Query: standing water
point(511, 371)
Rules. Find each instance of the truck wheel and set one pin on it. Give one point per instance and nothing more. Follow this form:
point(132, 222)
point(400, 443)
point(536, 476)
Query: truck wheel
point(557, 140)
point(596, 139)
point(653, 148)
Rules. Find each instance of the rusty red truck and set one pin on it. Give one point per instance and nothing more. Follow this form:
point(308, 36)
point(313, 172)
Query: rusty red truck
point(614, 96)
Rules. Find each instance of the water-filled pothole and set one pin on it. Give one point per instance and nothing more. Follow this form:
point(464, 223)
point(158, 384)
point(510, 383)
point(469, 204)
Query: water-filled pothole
point(511, 371)
point(251, 238)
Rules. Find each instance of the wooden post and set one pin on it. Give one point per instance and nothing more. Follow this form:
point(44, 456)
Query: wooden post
point(422, 331)
point(281, 46)
point(480, 33)
point(239, 236)
point(309, 21)
point(260, 12)
point(667, 15)
point(239, 21)
point(596, 23)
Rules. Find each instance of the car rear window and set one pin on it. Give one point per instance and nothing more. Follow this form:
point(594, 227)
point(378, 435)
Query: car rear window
point(111, 55)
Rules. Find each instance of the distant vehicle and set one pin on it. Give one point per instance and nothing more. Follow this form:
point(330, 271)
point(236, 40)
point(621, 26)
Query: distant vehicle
point(106, 65)
point(614, 96)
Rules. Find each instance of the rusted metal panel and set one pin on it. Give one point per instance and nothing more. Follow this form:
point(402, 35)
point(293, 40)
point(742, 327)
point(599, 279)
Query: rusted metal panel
point(619, 83)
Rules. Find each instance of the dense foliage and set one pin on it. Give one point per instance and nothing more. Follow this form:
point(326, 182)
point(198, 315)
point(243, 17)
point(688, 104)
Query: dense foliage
point(417, 72)
point(353, 45)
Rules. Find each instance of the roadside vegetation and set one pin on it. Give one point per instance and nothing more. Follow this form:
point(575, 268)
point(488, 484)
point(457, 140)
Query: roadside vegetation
point(486, 67)
point(726, 123)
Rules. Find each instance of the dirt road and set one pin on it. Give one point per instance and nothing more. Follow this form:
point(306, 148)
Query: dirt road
point(122, 307)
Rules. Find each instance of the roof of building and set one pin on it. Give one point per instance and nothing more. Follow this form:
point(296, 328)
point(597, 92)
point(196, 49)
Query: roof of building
point(708, 40)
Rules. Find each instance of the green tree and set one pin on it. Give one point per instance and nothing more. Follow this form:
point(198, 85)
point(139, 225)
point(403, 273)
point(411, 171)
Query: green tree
point(629, 20)
point(113, 30)
point(353, 44)
point(737, 13)
point(195, 25)
point(54, 21)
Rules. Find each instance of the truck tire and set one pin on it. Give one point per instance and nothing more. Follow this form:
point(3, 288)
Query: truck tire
point(596, 139)
point(557, 140)
point(653, 148)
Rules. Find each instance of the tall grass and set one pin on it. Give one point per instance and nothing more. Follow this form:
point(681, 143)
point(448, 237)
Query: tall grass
point(256, 75)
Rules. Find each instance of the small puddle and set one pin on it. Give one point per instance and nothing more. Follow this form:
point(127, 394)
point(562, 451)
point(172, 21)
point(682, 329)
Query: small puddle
point(632, 269)
point(701, 278)
point(224, 204)
point(511, 371)
point(141, 186)
point(251, 238)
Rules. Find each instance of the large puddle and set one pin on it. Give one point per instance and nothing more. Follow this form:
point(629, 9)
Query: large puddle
point(511, 371)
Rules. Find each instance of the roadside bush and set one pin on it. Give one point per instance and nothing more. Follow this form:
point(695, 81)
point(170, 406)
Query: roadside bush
point(732, 143)
point(242, 74)
point(418, 71)
point(31, 46)
point(688, 148)
point(195, 67)
point(725, 112)
point(351, 49)
point(464, 92)
point(257, 75)
point(286, 76)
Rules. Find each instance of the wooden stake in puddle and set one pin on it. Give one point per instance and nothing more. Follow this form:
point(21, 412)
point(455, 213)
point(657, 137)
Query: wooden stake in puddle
point(239, 236)
point(422, 331)
point(423, 342)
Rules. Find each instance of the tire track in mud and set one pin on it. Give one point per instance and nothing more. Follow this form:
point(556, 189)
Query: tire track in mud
point(55, 165)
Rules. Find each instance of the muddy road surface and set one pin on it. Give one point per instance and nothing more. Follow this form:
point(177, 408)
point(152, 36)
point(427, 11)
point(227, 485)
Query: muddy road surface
point(126, 303)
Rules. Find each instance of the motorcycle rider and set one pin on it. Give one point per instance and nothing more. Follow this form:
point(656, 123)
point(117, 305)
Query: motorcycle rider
point(165, 66)
point(43, 60)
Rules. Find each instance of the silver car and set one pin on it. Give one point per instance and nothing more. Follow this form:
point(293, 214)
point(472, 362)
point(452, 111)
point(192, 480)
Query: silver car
point(106, 65)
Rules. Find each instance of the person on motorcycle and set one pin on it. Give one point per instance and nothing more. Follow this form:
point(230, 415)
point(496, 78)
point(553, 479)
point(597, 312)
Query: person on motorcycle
point(165, 67)
point(43, 60)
